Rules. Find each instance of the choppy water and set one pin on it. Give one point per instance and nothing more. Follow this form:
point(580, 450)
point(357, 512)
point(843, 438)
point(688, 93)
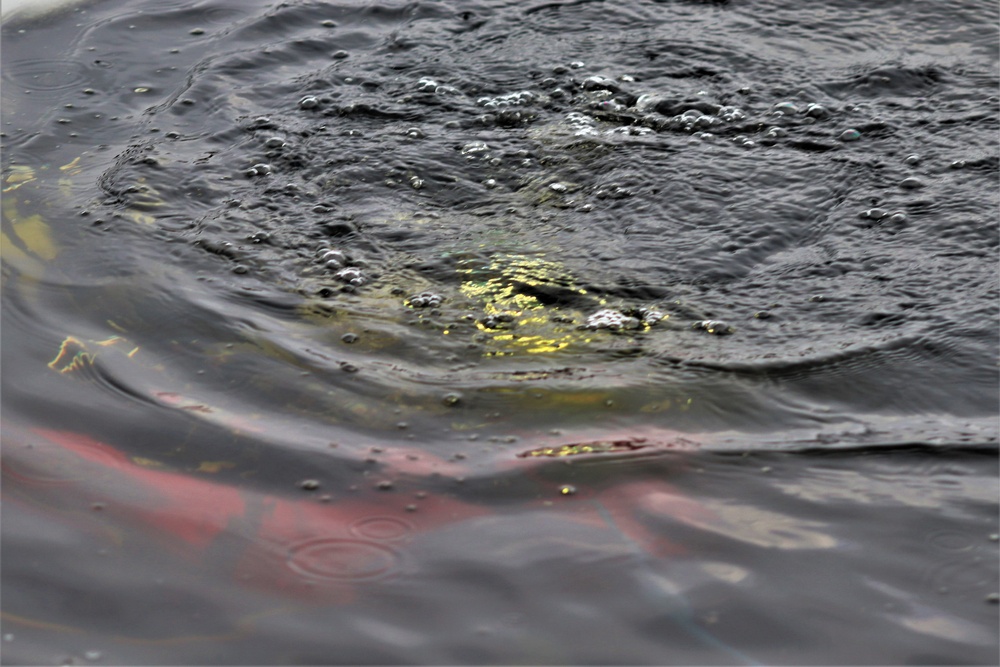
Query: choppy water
point(501, 332)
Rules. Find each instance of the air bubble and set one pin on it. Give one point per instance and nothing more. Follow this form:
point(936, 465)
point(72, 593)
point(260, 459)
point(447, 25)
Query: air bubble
point(715, 327)
point(850, 135)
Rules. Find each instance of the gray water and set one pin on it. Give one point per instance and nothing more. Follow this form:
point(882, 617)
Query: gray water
point(646, 332)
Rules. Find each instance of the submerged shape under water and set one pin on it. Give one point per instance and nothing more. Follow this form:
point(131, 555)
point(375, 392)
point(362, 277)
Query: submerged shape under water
point(493, 332)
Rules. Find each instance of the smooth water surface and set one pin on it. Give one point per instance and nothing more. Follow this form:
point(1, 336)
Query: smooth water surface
point(501, 332)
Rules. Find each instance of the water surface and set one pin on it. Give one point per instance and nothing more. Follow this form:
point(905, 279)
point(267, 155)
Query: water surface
point(500, 332)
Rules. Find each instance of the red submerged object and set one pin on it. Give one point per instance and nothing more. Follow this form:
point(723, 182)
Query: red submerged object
point(310, 546)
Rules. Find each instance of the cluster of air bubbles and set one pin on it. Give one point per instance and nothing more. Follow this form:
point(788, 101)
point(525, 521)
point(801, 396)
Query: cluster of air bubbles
point(259, 169)
point(581, 125)
point(497, 321)
point(425, 300)
point(516, 99)
point(427, 85)
point(630, 131)
point(812, 110)
point(613, 191)
point(880, 216)
point(623, 320)
point(475, 148)
point(715, 327)
point(351, 275)
point(332, 258)
point(347, 269)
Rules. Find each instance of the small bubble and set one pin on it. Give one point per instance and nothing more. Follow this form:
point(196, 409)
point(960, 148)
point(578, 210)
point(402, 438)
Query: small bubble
point(411, 508)
point(340, 55)
point(140, 90)
point(993, 598)
point(958, 164)
point(850, 135)
point(328, 24)
point(715, 327)
point(994, 537)
point(8, 637)
point(308, 102)
point(197, 31)
point(93, 655)
point(766, 469)
point(349, 338)
point(384, 485)
point(875, 213)
point(309, 484)
point(348, 368)
point(911, 183)
point(451, 399)
point(911, 160)
point(567, 490)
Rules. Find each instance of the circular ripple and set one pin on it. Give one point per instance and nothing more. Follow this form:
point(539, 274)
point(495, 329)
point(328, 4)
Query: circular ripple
point(383, 528)
point(950, 540)
point(343, 560)
point(47, 75)
point(961, 576)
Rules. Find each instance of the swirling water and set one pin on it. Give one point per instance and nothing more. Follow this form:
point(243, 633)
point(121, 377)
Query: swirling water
point(496, 332)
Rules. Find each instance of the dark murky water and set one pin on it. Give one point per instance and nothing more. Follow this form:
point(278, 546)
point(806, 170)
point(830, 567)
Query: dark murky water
point(501, 332)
